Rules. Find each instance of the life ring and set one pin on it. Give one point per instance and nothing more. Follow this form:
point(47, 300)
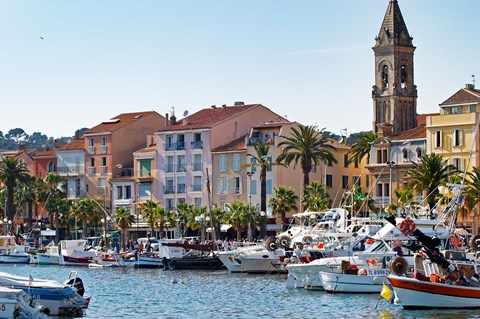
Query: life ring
point(307, 240)
point(283, 242)
point(475, 243)
point(398, 266)
point(270, 243)
point(298, 246)
point(454, 242)
point(407, 226)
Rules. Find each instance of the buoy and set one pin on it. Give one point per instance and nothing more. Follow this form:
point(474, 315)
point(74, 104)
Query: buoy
point(173, 281)
point(181, 281)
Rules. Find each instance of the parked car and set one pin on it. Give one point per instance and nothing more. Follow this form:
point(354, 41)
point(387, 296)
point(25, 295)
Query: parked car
point(154, 241)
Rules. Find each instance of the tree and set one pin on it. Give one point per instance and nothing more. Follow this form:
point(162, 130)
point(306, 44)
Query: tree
point(12, 172)
point(84, 210)
point(17, 134)
point(284, 201)
point(149, 212)
point(306, 147)
point(472, 195)
point(315, 197)
point(124, 219)
point(361, 146)
point(25, 195)
point(431, 172)
point(184, 213)
point(237, 217)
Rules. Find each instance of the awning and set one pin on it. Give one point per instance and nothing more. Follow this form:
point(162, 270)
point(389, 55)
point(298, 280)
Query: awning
point(223, 228)
point(48, 232)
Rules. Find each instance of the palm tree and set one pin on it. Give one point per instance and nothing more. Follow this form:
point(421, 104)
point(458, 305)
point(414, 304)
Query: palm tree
point(472, 194)
point(12, 171)
point(361, 146)
point(306, 147)
point(83, 210)
point(149, 212)
point(284, 201)
point(217, 216)
point(237, 217)
point(184, 214)
point(25, 195)
point(315, 197)
point(432, 172)
point(124, 219)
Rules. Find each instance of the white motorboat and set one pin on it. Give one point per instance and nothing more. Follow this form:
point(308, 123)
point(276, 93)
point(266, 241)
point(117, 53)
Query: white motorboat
point(50, 256)
point(73, 253)
point(56, 298)
point(367, 279)
point(16, 303)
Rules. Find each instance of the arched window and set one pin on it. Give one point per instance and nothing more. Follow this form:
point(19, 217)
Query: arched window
point(403, 76)
point(419, 152)
point(385, 76)
point(405, 153)
point(51, 167)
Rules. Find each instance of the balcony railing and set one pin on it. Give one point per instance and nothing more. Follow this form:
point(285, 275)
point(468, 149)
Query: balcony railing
point(196, 145)
point(180, 146)
point(103, 170)
point(197, 188)
point(382, 201)
point(91, 149)
point(261, 140)
point(91, 170)
point(181, 188)
point(169, 190)
point(181, 167)
point(103, 149)
point(71, 170)
point(169, 168)
point(197, 166)
point(169, 146)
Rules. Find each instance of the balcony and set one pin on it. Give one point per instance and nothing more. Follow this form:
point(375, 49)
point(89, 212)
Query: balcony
point(169, 190)
point(103, 170)
point(169, 146)
point(196, 145)
point(382, 201)
point(181, 188)
point(180, 146)
point(169, 168)
point(261, 140)
point(197, 188)
point(197, 167)
point(91, 170)
point(91, 149)
point(181, 167)
point(71, 170)
point(103, 149)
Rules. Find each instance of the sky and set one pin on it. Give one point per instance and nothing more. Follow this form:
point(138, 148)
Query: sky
point(66, 65)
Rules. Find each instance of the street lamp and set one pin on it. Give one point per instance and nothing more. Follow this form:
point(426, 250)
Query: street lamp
point(249, 215)
point(390, 165)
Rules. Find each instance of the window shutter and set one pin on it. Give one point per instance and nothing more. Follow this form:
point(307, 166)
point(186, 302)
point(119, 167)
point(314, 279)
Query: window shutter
point(240, 185)
point(219, 186)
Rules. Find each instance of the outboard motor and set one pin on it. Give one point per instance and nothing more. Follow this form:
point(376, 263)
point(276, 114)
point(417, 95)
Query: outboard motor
point(76, 283)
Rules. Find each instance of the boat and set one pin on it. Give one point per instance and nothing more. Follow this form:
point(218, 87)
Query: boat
point(366, 279)
point(15, 303)
point(196, 256)
point(56, 298)
point(73, 253)
point(11, 252)
point(50, 255)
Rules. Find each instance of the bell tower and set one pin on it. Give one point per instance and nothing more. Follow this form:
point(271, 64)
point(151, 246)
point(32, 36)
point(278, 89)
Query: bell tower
point(394, 93)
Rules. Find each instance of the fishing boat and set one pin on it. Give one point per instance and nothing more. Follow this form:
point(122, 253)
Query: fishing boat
point(50, 255)
point(73, 253)
point(56, 298)
point(181, 256)
point(15, 303)
point(11, 252)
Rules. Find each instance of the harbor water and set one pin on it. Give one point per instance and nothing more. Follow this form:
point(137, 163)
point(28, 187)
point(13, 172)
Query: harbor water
point(155, 293)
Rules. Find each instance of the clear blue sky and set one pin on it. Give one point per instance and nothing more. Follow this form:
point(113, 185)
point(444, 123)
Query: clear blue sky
point(309, 60)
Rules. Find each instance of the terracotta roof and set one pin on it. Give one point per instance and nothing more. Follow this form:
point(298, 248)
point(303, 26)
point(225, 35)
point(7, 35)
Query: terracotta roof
point(208, 117)
point(338, 145)
point(47, 153)
point(150, 148)
point(235, 145)
point(74, 145)
point(118, 121)
point(278, 122)
point(464, 95)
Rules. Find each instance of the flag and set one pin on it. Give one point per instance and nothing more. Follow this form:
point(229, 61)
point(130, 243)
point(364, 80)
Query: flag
point(387, 291)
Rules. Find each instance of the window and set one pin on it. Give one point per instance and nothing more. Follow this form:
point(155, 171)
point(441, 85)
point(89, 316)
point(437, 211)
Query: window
point(104, 161)
point(169, 188)
point(170, 166)
point(405, 153)
point(379, 156)
point(438, 139)
point(355, 163)
point(236, 162)
point(51, 167)
point(197, 183)
point(103, 145)
point(103, 166)
point(181, 165)
point(472, 108)
point(345, 160)
point(197, 201)
point(403, 76)
point(356, 180)
point(145, 167)
point(128, 192)
point(91, 168)
point(169, 144)
point(102, 185)
point(222, 185)
point(181, 185)
point(197, 162)
point(458, 163)
point(329, 180)
point(91, 142)
point(91, 146)
point(330, 162)
point(344, 181)
point(119, 192)
point(253, 169)
point(384, 156)
point(380, 190)
point(253, 187)
point(144, 189)
point(180, 142)
point(269, 186)
point(269, 161)
point(386, 189)
point(367, 180)
point(237, 185)
point(223, 163)
point(457, 137)
point(419, 152)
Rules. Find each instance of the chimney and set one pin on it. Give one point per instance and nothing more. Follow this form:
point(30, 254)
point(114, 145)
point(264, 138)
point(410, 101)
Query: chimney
point(470, 86)
point(77, 134)
point(238, 103)
point(224, 106)
point(166, 119)
point(56, 144)
point(173, 119)
point(150, 139)
point(213, 106)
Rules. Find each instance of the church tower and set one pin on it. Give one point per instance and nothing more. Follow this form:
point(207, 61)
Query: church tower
point(394, 93)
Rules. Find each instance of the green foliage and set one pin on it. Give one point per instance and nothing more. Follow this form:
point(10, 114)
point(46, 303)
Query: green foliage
point(315, 197)
point(361, 144)
point(285, 200)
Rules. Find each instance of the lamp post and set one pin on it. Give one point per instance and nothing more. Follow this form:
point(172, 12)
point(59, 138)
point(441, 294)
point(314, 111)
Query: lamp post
point(390, 165)
point(249, 215)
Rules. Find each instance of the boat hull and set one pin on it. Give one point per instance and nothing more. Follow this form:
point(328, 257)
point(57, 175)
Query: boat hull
point(148, 262)
point(75, 261)
point(416, 294)
point(346, 283)
point(8, 307)
point(14, 259)
point(187, 263)
point(45, 259)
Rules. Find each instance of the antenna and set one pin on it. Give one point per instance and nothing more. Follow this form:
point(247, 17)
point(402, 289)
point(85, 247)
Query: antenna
point(173, 110)
point(473, 80)
point(185, 113)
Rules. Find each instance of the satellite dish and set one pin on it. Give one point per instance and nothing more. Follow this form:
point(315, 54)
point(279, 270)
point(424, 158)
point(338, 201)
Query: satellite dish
point(185, 113)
